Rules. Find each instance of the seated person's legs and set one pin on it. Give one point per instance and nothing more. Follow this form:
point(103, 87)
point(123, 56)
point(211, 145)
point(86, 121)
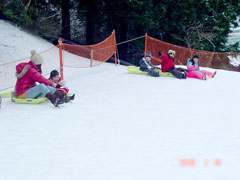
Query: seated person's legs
point(181, 69)
point(206, 73)
point(198, 74)
point(178, 74)
point(38, 90)
point(152, 72)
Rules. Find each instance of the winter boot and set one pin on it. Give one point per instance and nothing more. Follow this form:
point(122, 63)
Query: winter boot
point(214, 74)
point(69, 98)
point(52, 98)
point(184, 75)
point(205, 77)
point(60, 96)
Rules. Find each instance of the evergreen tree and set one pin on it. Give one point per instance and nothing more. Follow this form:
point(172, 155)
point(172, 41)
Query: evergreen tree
point(66, 28)
point(200, 24)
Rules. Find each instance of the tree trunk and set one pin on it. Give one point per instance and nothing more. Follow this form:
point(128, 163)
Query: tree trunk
point(66, 28)
point(123, 37)
point(27, 5)
point(91, 25)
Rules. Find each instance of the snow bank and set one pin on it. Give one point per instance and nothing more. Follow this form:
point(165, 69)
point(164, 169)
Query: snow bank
point(234, 60)
point(16, 44)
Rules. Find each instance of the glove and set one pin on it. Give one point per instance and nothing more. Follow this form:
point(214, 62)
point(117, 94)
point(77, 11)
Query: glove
point(159, 53)
point(62, 83)
point(54, 84)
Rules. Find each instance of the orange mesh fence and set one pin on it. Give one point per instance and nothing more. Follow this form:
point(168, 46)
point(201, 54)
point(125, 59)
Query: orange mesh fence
point(91, 55)
point(228, 61)
point(8, 70)
point(216, 60)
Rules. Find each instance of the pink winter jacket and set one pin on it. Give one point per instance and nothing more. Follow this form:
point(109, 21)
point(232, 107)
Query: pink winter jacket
point(27, 76)
point(191, 67)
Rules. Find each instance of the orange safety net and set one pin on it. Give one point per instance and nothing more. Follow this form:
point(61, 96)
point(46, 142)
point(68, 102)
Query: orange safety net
point(215, 60)
point(91, 55)
point(8, 70)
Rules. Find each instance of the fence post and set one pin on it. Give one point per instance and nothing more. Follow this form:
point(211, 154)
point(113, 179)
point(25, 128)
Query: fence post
point(91, 56)
point(60, 46)
point(115, 47)
point(145, 50)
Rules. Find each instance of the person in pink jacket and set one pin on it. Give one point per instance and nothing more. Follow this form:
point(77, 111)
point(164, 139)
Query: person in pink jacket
point(193, 68)
point(27, 76)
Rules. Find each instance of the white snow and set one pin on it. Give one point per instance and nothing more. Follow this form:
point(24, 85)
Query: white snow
point(125, 127)
point(234, 36)
point(13, 38)
point(234, 60)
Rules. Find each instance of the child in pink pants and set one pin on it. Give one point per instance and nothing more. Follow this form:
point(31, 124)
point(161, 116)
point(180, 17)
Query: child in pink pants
point(193, 68)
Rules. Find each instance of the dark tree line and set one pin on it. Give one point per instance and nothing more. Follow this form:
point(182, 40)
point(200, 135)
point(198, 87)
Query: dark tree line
point(200, 24)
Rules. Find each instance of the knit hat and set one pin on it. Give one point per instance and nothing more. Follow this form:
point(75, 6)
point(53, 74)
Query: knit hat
point(171, 52)
point(149, 55)
point(36, 58)
point(196, 56)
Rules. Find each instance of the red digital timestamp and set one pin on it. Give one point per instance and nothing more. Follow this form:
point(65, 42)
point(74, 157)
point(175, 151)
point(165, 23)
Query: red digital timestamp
point(188, 162)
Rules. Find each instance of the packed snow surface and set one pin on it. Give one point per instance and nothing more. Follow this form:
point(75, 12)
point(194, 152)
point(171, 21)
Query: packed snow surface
point(124, 127)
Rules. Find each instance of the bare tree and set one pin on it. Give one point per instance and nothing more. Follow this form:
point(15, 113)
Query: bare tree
point(26, 4)
point(195, 34)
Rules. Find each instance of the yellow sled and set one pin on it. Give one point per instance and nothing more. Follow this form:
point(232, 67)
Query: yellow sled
point(38, 100)
point(136, 70)
point(14, 99)
point(22, 101)
point(5, 95)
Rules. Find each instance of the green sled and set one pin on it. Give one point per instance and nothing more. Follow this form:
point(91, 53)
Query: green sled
point(136, 70)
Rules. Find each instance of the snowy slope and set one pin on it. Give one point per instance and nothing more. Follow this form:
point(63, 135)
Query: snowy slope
point(125, 127)
point(13, 39)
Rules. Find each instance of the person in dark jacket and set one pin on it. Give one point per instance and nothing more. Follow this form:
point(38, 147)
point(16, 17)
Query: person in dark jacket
point(145, 65)
point(168, 65)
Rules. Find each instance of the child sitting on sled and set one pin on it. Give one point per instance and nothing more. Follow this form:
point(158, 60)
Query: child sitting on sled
point(193, 68)
point(54, 77)
point(145, 65)
point(168, 65)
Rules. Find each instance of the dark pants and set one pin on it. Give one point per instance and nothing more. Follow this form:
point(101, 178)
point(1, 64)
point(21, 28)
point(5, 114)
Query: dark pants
point(152, 72)
point(179, 73)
